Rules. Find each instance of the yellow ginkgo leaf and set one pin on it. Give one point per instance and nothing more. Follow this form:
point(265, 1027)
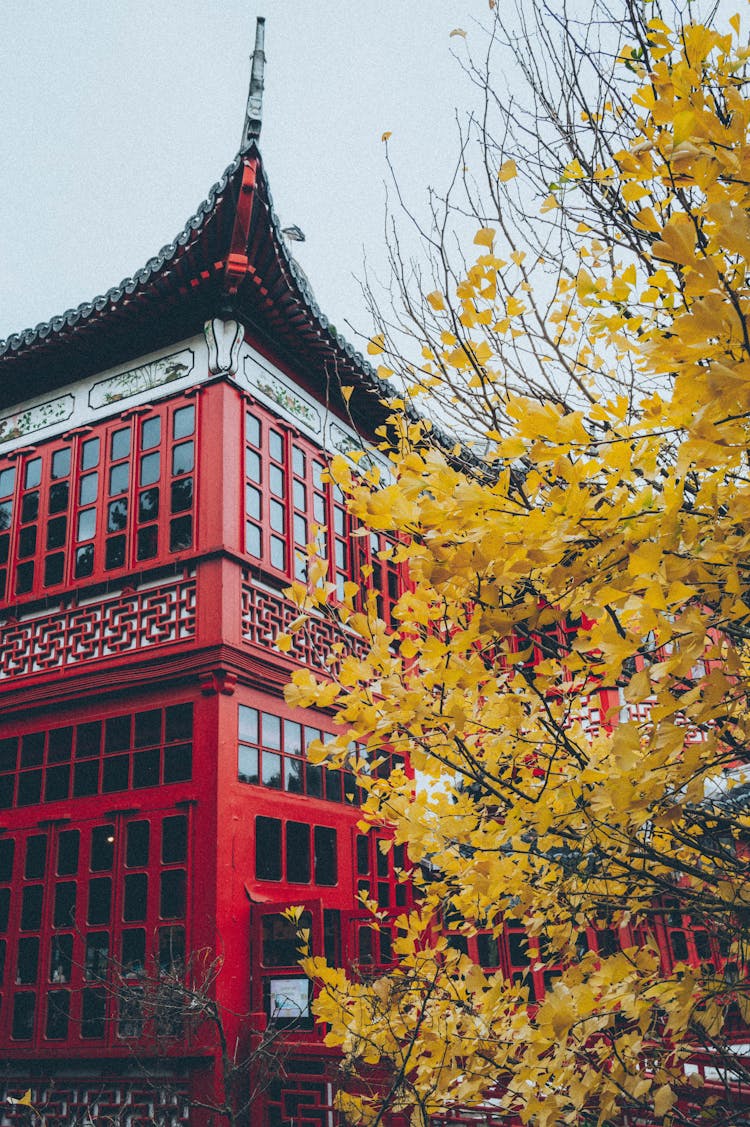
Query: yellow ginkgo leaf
point(484, 236)
point(508, 171)
point(388, 133)
point(458, 31)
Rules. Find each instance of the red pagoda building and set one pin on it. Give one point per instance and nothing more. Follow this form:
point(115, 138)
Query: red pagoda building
point(162, 458)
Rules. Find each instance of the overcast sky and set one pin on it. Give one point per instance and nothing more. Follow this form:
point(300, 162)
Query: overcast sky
point(116, 119)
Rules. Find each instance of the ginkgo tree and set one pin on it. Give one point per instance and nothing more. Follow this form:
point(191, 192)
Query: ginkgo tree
point(592, 563)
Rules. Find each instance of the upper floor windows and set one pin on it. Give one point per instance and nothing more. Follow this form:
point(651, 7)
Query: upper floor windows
point(82, 507)
point(289, 505)
point(272, 752)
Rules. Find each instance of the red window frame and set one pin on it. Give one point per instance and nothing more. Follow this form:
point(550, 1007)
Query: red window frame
point(89, 910)
point(290, 851)
point(288, 505)
point(107, 754)
point(272, 754)
point(99, 501)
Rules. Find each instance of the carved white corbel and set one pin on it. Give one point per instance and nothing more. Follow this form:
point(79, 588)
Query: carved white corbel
point(223, 339)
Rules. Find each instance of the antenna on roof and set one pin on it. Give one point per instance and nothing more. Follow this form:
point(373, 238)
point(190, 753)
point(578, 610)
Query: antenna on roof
point(254, 111)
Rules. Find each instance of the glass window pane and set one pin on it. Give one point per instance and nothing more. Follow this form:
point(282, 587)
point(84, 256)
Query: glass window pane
point(59, 494)
point(114, 552)
point(298, 852)
point(147, 542)
point(181, 495)
point(172, 894)
point(180, 533)
point(36, 856)
point(276, 479)
point(292, 737)
point(150, 468)
point(271, 773)
point(90, 454)
point(86, 524)
point(248, 724)
point(174, 839)
point(300, 496)
point(61, 958)
point(61, 463)
point(178, 763)
point(326, 861)
point(247, 764)
point(293, 776)
point(148, 728)
point(67, 852)
point(119, 477)
point(33, 473)
point(116, 733)
point(27, 963)
point(183, 458)
point(58, 1013)
point(93, 1013)
point(31, 907)
point(278, 553)
point(32, 749)
point(252, 429)
point(117, 515)
point(298, 461)
point(271, 730)
point(65, 904)
point(277, 516)
point(252, 465)
point(276, 445)
point(253, 540)
point(138, 836)
point(97, 951)
point(267, 848)
point(84, 561)
point(88, 489)
point(120, 447)
point(7, 852)
point(24, 1007)
point(30, 507)
point(148, 505)
point(179, 722)
point(150, 433)
point(136, 897)
point(102, 848)
point(252, 502)
point(7, 481)
point(183, 421)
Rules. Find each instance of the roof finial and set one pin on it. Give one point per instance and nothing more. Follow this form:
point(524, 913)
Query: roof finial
point(254, 111)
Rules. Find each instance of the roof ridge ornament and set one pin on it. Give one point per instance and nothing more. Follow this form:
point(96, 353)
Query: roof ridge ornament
point(254, 111)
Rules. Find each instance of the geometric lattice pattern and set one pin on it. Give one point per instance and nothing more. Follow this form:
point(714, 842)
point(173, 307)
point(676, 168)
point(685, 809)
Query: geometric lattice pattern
point(126, 622)
point(128, 1102)
point(266, 615)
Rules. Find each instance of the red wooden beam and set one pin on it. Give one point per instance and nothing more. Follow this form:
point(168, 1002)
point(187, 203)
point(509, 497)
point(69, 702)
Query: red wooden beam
point(237, 262)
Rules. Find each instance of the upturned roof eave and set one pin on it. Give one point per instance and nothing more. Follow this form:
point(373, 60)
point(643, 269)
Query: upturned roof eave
point(179, 288)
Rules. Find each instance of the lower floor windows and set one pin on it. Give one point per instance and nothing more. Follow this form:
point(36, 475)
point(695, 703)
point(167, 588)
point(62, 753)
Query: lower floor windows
point(299, 854)
point(90, 916)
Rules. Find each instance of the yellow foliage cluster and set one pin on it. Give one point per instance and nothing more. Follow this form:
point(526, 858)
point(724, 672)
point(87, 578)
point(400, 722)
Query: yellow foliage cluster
point(629, 523)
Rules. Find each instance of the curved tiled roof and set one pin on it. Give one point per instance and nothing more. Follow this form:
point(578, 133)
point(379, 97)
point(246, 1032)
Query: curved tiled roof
point(177, 290)
point(113, 296)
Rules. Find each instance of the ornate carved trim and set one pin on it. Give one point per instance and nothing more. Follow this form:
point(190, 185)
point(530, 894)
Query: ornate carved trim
point(31, 419)
point(165, 370)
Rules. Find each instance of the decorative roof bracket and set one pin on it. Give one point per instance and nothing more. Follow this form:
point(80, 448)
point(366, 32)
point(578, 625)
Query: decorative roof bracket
point(237, 261)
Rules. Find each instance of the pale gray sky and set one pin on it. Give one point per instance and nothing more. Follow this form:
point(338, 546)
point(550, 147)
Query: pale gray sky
point(116, 119)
